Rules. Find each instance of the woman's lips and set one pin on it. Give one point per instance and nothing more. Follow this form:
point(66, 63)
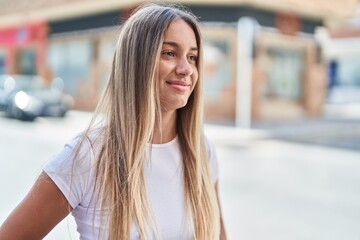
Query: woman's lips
point(179, 85)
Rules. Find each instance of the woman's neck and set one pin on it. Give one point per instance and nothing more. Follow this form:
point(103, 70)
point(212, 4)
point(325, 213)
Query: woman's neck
point(167, 131)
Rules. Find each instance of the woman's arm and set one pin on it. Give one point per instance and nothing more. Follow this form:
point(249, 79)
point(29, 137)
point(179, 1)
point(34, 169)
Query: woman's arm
point(40, 211)
point(222, 227)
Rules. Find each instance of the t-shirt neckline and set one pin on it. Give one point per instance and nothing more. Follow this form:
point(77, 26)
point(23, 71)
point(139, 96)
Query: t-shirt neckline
point(162, 145)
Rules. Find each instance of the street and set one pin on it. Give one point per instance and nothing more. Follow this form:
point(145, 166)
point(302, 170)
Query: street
point(270, 189)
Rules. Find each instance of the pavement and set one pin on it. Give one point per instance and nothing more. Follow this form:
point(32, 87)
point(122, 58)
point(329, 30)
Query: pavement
point(295, 180)
point(279, 190)
point(342, 133)
point(338, 133)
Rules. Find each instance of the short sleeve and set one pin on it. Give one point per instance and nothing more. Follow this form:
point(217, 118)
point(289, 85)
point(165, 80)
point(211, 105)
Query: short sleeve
point(72, 177)
point(213, 160)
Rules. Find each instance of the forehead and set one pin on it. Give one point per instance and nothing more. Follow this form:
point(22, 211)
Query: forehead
point(180, 31)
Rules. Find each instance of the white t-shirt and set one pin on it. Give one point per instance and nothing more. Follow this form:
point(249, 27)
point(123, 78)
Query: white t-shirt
point(164, 185)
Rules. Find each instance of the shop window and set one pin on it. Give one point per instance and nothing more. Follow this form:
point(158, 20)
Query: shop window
point(71, 60)
point(348, 73)
point(285, 73)
point(2, 62)
point(106, 52)
point(217, 72)
point(26, 61)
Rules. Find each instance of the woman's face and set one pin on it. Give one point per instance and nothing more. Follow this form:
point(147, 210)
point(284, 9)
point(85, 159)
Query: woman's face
point(178, 72)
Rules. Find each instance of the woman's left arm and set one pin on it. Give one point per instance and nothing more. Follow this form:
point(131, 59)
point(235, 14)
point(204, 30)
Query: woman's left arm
point(222, 228)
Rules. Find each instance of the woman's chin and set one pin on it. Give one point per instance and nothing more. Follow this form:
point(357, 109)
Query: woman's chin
point(174, 105)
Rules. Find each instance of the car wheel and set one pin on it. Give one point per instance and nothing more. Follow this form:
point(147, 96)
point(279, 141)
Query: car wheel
point(20, 115)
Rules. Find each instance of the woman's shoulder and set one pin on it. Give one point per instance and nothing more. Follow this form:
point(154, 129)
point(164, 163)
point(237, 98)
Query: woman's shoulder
point(79, 152)
point(73, 168)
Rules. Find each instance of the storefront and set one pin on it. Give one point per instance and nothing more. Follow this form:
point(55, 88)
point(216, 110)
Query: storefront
point(342, 56)
point(23, 48)
point(286, 81)
point(289, 77)
point(278, 74)
point(286, 77)
point(83, 60)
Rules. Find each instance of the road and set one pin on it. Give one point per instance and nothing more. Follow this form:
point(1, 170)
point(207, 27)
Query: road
point(270, 189)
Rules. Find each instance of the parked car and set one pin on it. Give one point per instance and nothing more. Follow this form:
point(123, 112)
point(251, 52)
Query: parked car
point(26, 97)
point(6, 88)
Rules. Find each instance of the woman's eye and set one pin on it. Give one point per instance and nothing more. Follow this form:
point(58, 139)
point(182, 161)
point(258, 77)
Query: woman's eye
point(168, 53)
point(193, 58)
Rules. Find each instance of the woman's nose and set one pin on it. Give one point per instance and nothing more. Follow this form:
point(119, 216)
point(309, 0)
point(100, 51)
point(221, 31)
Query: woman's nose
point(184, 67)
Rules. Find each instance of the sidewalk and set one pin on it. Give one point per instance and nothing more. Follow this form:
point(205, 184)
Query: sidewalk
point(338, 133)
point(232, 136)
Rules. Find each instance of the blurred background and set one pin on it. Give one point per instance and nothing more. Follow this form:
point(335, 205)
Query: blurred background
point(282, 91)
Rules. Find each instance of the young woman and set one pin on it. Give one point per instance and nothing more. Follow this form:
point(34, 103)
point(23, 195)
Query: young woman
point(143, 169)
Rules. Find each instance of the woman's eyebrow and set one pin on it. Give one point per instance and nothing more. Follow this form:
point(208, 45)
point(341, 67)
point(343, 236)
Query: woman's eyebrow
point(174, 44)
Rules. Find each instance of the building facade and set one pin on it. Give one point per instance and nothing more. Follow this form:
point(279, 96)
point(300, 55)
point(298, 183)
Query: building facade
point(341, 43)
point(75, 41)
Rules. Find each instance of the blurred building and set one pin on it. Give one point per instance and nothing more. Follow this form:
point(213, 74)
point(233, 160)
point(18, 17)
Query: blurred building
point(341, 43)
point(265, 67)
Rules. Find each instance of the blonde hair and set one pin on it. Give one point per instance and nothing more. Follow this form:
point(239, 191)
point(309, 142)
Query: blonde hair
point(128, 111)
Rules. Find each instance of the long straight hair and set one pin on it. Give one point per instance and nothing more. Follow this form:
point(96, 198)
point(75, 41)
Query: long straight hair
point(128, 111)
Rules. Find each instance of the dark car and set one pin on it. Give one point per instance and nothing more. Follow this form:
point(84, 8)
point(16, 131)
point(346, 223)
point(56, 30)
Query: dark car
point(6, 88)
point(27, 97)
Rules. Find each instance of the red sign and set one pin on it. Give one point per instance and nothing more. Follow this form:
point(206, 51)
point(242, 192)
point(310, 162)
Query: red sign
point(23, 34)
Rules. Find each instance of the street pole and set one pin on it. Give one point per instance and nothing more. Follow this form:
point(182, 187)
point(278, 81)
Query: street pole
point(245, 38)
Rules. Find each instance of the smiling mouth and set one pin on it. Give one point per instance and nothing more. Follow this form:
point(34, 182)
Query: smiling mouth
point(179, 85)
